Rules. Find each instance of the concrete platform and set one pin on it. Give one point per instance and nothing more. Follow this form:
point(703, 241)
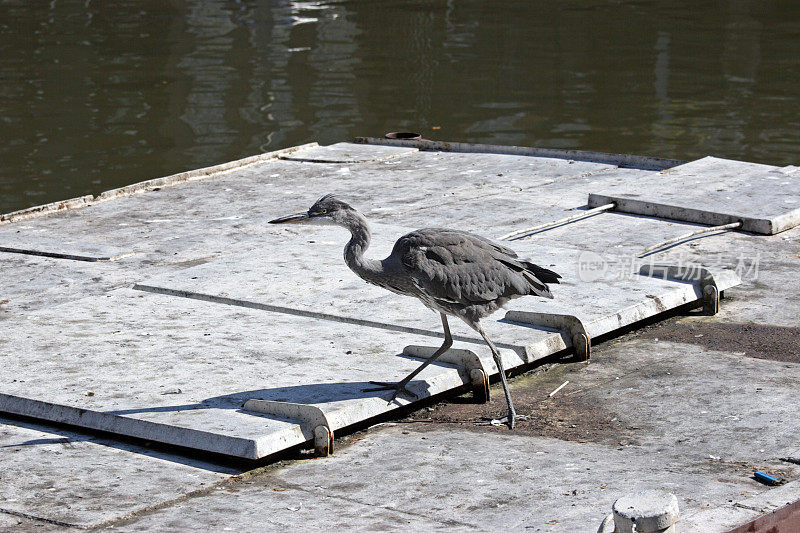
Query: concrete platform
point(163, 369)
point(691, 410)
point(171, 374)
point(713, 191)
point(440, 473)
point(73, 479)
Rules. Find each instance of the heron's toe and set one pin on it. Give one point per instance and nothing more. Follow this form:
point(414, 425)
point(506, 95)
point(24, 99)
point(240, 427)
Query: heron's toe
point(382, 385)
point(398, 388)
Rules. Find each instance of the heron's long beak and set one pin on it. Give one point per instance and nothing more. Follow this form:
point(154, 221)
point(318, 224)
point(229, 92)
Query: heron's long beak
point(291, 219)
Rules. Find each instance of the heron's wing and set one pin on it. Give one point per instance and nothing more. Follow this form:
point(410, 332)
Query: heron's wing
point(509, 257)
point(459, 267)
point(495, 246)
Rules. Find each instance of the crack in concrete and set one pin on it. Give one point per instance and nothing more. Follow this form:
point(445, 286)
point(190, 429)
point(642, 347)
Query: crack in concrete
point(42, 519)
point(270, 480)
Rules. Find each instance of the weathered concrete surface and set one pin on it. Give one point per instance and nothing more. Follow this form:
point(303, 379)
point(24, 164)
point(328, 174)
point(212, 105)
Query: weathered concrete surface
point(539, 484)
point(348, 153)
point(629, 429)
point(294, 273)
point(197, 221)
point(147, 185)
point(107, 333)
point(11, 522)
point(455, 480)
point(71, 478)
point(162, 368)
point(468, 476)
point(713, 191)
point(736, 514)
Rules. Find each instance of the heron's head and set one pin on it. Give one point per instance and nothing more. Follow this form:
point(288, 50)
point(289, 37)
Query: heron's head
point(327, 210)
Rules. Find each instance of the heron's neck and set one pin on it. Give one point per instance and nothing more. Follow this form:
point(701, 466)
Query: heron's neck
point(367, 269)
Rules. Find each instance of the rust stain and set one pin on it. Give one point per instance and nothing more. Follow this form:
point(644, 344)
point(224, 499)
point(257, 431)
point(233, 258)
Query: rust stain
point(657, 301)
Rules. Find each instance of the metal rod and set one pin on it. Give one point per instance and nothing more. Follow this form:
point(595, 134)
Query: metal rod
point(724, 227)
point(572, 218)
point(559, 388)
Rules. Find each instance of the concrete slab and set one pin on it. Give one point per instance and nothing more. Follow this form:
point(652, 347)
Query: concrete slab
point(229, 213)
point(314, 301)
point(42, 281)
point(529, 483)
point(673, 439)
point(731, 515)
point(348, 153)
point(178, 371)
point(713, 191)
point(55, 477)
point(12, 522)
point(744, 417)
point(265, 504)
point(64, 206)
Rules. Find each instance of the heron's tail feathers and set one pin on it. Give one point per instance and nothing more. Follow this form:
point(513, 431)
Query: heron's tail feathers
point(539, 277)
point(543, 274)
point(536, 276)
point(536, 286)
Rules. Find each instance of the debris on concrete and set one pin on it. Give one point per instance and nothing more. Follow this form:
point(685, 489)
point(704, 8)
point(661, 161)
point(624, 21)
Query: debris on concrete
point(767, 479)
point(558, 389)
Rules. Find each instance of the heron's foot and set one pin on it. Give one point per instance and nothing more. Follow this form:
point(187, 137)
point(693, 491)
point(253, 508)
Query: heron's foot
point(509, 420)
point(398, 387)
point(506, 420)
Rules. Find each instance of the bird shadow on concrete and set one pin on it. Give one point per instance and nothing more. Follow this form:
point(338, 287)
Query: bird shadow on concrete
point(317, 393)
point(311, 394)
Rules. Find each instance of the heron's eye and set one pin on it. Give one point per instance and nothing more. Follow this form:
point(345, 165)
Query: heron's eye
point(323, 211)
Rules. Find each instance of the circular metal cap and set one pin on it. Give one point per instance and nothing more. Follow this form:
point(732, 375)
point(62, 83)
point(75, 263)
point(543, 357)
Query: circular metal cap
point(407, 135)
point(646, 511)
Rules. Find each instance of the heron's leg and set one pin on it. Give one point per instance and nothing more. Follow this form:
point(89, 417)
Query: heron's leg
point(400, 386)
point(499, 362)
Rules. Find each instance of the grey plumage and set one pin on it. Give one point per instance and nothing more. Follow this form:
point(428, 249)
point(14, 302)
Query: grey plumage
point(453, 272)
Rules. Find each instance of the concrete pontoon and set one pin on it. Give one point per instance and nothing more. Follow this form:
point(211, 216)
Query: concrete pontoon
point(170, 311)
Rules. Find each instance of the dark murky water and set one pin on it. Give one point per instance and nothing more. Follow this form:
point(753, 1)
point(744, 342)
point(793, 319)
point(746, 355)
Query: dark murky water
point(97, 94)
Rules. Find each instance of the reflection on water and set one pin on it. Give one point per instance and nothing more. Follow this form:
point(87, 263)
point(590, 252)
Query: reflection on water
point(97, 94)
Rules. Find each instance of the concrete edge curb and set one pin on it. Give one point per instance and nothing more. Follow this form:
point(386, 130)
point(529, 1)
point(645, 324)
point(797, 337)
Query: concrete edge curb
point(147, 185)
point(733, 515)
point(621, 160)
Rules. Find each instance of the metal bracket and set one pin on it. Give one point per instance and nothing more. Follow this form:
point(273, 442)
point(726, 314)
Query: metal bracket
point(709, 281)
point(579, 338)
point(313, 418)
point(464, 359)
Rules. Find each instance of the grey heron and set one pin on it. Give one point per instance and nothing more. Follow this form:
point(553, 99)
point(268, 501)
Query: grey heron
point(453, 272)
